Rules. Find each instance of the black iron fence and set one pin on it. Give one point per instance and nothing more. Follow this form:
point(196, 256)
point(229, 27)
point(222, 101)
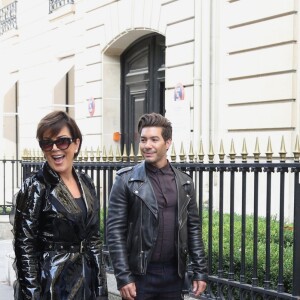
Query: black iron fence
point(249, 212)
point(10, 181)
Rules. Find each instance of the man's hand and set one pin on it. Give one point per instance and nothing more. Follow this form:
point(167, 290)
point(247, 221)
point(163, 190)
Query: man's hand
point(128, 291)
point(198, 287)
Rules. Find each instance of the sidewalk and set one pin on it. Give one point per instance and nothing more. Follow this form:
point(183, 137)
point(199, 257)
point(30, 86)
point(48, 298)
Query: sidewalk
point(6, 291)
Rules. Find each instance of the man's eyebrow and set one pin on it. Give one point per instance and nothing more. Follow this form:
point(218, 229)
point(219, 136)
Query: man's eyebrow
point(151, 137)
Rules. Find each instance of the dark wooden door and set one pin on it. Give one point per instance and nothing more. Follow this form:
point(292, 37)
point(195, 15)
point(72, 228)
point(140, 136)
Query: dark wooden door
point(143, 85)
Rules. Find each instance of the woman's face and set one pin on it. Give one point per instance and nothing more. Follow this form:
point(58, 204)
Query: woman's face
point(60, 160)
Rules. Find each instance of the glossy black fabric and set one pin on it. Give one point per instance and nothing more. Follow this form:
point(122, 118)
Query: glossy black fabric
point(132, 225)
point(46, 214)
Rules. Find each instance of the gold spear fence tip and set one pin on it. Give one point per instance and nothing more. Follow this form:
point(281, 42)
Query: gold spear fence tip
point(191, 152)
point(232, 153)
point(80, 156)
point(98, 155)
point(24, 154)
point(182, 153)
point(110, 154)
point(173, 153)
point(211, 153)
point(221, 152)
point(92, 154)
point(282, 151)
point(139, 155)
point(131, 155)
point(104, 156)
point(244, 151)
point(296, 151)
point(36, 155)
point(124, 155)
point(41, 155)
point(118, 154)
point(86, 154)
point(201, 152)
point(256, 152)
point(269, 152)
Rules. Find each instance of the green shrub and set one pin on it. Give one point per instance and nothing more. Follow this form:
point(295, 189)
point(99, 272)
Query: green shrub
point(5, 211)
point(102, 227)
point(261, 249)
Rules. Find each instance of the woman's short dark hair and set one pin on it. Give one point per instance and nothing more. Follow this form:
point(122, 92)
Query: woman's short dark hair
point(53, 122)
point(156, 120)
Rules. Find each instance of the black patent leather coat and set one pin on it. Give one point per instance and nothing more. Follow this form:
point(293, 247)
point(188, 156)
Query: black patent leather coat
point(132, 225)
point(46, 216)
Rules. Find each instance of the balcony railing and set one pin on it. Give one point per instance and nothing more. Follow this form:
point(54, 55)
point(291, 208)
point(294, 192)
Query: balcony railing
point(56, 4)
point(8, 17)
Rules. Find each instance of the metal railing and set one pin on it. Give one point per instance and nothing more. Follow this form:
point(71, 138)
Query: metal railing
point(56, 4)
point(10, 178)
point(249, 212)
point(8, 17)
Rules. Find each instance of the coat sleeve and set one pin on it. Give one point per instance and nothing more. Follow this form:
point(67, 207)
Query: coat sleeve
point(117, 232)
point(26, 228)
point(195, 242)
point(96, 249)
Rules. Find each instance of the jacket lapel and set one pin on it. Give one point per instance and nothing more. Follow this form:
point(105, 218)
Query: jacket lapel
point(59, 195)
point(143, 188)
point(67, 205)
point(184, 188)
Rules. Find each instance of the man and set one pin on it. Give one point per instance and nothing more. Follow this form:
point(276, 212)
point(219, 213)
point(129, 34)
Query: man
point(153, 224)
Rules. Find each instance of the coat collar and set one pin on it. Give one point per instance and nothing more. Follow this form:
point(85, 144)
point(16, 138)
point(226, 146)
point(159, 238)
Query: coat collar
point(61, 193)
point(47, 175)
point(139, 174)
point(143, 189)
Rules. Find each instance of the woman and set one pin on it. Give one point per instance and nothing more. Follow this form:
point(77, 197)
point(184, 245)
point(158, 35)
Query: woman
point(56, 229)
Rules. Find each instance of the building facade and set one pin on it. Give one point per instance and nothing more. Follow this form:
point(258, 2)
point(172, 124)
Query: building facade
point(218, 69)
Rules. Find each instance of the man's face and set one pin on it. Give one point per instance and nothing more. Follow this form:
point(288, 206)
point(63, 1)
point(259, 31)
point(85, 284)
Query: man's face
point(153, 147)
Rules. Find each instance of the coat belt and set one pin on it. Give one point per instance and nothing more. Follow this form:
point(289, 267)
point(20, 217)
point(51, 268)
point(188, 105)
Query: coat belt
point(80, 247)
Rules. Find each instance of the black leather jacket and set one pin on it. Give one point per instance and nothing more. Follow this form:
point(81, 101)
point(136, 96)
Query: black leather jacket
point(132, 225)
point(57, 252)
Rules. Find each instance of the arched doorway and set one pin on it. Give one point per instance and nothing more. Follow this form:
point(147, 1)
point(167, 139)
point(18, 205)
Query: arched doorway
point(142, 84)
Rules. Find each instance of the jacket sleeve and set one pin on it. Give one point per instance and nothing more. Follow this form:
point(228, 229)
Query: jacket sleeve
point(26, 228)
point(95, 241)
point(195, 242)
point(117, 232)
point(96, 248)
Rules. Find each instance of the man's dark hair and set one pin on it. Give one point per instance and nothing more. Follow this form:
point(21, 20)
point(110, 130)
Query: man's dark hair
point(156, 120)
point(54, 122)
